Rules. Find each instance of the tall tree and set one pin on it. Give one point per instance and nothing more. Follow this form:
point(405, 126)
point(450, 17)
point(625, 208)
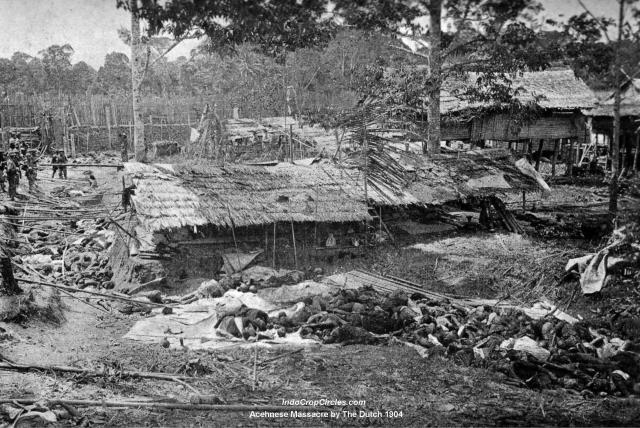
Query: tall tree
point(615, 144)
point(56, 60)
point(82, 76)
point(435, 73)
point(115, 75)
point(587, 30)
point(136, 82)
point(30, 74)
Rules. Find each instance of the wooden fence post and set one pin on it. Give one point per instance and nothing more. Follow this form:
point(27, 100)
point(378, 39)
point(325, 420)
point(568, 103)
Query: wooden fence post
point(92, 109)
point(107, 115)
point(72, 141)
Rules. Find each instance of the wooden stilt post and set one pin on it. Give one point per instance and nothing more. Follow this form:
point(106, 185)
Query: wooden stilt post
point(266, 242)
point(524, 200)
point(539, 155)
point(274, 244)
point(295, 250)
point(554, 159)
point(315, 225)
point(570, 159)
point(636, 158)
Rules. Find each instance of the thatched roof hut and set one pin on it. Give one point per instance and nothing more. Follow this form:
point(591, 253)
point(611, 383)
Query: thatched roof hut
point(171, 196)
point(174, 196)
point(555, 98)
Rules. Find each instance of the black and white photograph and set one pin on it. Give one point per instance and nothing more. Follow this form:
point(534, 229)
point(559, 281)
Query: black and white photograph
point(319, 213)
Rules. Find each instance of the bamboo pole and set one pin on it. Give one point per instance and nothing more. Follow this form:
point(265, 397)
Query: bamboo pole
point(366, 171)
point(274, 244)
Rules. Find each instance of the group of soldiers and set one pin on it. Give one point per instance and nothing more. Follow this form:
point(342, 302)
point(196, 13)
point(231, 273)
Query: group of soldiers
point(21, 159)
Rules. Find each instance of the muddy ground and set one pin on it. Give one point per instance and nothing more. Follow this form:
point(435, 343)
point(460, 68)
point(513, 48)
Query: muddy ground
point(433, 391)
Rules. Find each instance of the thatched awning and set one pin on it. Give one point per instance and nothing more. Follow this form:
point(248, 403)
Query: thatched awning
point(175, 196)
point(446, 178)
point(629, 102)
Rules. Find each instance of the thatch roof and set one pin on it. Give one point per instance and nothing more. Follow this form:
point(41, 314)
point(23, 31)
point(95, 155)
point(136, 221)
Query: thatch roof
point(629, 102)
point(452, 177)
point(550, 89)
point(173, 196)
point(170, 196)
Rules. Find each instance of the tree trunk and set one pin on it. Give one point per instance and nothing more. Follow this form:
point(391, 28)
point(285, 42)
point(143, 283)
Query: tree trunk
point(136, 77)
point(9, 284)
point(615, 143)
point(435, 65)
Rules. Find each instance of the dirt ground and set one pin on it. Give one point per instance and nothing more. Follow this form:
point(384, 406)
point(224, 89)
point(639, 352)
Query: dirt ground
point(406, 388)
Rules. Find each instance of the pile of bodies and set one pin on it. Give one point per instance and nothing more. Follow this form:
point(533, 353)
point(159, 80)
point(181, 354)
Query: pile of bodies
point(542, 353)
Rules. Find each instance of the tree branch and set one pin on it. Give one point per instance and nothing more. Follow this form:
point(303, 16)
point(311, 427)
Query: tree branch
point(400, 48)
point(602, 26)
point(148, 65)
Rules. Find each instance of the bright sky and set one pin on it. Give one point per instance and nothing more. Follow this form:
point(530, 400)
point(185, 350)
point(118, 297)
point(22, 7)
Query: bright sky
point(90, 26)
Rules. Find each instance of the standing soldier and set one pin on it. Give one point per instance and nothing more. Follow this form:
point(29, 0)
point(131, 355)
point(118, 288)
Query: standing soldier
point(31, 168)
point(23, 149)
point(124, 147)
point(54, 164)
point(13, 174)
point(3, 175)
point(62, 160)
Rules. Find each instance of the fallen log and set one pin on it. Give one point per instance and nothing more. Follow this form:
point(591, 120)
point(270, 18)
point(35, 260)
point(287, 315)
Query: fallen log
point(84, 164)
point(95, 293)
point(29, 270)
point(164, 405)
point(67, 369)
